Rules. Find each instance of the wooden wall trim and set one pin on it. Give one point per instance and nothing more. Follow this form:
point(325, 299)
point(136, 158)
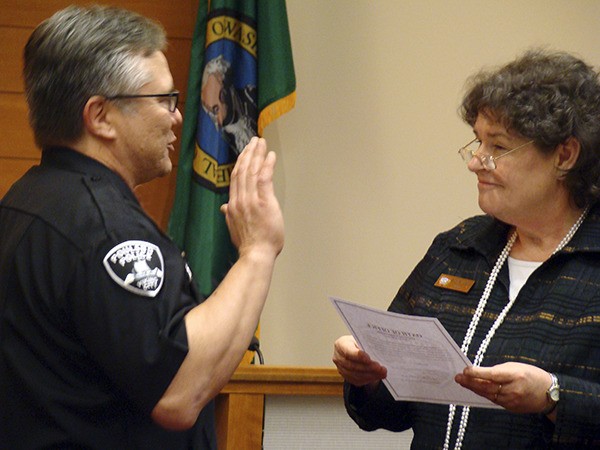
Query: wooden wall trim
point(282, 380)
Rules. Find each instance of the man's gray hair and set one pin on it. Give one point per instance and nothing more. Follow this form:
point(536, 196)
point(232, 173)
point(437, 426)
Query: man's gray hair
point(80, 52)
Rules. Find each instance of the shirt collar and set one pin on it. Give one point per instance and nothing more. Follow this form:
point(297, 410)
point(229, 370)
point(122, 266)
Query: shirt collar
point(66, 158)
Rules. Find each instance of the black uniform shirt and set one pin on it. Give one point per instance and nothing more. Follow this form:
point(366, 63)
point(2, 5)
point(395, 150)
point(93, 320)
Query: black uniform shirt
point(92, 301)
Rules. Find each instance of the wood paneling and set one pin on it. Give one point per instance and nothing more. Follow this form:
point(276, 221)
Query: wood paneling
point(17, 137)
point(178, 56)
point(239, 421)
point(177, 16)
point(12, 42)
point(11, 170)
point(156, 197)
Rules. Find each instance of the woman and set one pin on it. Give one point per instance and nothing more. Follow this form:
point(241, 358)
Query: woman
point(531, 321)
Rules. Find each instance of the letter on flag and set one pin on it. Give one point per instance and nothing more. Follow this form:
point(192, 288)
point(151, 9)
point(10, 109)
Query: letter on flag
point(241, 79)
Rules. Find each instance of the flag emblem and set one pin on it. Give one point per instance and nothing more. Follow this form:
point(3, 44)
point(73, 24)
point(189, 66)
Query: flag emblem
point(137, 266)
point(228, 116)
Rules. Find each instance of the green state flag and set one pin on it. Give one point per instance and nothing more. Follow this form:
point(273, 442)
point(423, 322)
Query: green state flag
point(241, 79)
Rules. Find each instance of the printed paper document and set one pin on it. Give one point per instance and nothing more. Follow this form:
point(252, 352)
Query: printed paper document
point(420, 356)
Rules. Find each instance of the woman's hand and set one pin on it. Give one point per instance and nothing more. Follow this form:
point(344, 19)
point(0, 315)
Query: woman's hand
point(518, 387)
point(354, 365)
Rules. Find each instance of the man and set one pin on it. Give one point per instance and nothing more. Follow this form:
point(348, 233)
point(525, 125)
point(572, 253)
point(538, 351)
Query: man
point(104, 341)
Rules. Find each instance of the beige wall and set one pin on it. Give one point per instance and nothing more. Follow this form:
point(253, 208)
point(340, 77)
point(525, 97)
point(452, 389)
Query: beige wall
point(368, 171)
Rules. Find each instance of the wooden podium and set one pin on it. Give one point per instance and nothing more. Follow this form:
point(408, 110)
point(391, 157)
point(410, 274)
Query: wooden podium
point(240, 405)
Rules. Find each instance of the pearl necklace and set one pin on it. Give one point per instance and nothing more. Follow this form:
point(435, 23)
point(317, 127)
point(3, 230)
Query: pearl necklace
point(462, 428)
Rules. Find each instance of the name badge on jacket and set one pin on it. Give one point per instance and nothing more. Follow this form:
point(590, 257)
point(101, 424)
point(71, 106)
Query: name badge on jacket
point(454, 283)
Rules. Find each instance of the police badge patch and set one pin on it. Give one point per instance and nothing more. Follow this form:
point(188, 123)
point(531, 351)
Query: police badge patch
point(137, 266)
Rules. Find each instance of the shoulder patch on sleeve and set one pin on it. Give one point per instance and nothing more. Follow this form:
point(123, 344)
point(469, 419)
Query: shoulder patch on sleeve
point(137, 266)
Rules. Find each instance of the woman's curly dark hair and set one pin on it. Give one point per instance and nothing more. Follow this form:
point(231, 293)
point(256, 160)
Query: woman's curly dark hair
point(547, 97)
